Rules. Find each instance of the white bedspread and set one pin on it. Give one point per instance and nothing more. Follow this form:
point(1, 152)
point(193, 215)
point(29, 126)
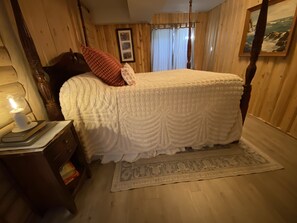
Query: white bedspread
point(163, 113)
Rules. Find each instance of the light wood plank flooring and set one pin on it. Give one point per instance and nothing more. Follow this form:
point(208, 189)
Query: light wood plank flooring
point(265, 197)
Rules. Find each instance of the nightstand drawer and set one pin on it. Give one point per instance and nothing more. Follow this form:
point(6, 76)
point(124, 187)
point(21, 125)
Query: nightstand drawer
point(62, 149)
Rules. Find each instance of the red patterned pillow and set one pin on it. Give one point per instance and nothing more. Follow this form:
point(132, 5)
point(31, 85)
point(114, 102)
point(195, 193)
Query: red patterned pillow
point(104, 66)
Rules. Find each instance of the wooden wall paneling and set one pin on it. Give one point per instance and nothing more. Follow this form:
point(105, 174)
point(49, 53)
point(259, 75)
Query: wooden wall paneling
point(225, 41)
point(199, 40)
point(39, 29)
point(141, 41)
point(138, 51)
point(76, 22)
point(53, 25)
point(101, 38)
point(90, 29)
point(264, 66)
point(273, 94)
point(258, 84)
point(219, 39)
point(111, 41)
point(238, 67)
point(288, 85)
point(4, 57)
point(146, 45)
point(293, 129)
point(60, 24)
point(273, 88)
point(290, 114)
point(211, 38)
point(8, 75)
point(107, 41)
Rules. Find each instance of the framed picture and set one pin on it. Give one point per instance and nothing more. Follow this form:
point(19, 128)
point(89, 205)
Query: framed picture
point(281, 20)
point(125, 43)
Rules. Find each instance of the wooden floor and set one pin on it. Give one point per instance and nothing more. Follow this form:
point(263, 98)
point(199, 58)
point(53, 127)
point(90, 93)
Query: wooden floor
point(265, 197)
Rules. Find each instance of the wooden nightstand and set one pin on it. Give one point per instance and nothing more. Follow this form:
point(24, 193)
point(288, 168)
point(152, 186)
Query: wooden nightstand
point(36, 168)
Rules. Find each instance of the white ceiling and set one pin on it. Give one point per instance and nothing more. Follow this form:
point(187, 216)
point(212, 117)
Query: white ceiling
point(135, 11)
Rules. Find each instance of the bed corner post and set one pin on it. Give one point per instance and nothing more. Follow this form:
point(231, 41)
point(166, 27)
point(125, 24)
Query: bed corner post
point(189, 50)
point(255, 51)
point(40, 77)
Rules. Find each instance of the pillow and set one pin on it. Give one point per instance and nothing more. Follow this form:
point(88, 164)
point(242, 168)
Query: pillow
point(104, 66)
point(128, 74)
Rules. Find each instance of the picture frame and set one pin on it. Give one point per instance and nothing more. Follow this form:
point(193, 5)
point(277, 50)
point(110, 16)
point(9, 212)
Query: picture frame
point(125, 43)
point(281, 21)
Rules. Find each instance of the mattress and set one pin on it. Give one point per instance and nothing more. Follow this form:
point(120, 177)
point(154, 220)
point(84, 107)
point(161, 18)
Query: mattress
point(162, 114)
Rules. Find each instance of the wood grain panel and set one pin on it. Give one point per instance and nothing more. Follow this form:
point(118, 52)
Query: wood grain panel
point(211, 37)
point(274, 86)
point(106, 36)
point(12, 89)
point(90, 29)
point(39, 29)
point(60, 24)
point(199, 43)
point(76, 22)
point(7, 75)
point(4, 57)
point(53, 26)
point(107, 41)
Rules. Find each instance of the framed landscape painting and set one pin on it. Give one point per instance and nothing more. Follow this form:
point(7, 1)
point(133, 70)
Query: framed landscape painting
point(125, 43)
point(281, 21)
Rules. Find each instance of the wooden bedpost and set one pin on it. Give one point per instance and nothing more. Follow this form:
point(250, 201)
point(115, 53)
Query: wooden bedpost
point(189, 50)
point(86, 42)
point(255, 51)
point(41, 78)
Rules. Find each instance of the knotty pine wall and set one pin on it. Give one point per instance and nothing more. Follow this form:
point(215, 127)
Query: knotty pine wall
point(274, 94)
point(107, 41)
point(55, 27)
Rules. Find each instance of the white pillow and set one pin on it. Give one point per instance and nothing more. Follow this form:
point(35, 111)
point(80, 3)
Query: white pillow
point(128, 74)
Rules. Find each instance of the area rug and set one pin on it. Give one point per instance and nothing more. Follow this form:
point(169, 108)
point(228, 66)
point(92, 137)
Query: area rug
point(208, 163)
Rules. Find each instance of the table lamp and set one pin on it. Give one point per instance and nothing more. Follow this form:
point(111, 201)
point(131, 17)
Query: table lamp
point(17, 111)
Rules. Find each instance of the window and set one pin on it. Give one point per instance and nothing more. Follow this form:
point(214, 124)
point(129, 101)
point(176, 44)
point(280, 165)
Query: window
point(169, 48)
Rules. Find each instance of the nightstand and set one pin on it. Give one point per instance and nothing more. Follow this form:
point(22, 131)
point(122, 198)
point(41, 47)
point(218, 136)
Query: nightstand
point(36, 168)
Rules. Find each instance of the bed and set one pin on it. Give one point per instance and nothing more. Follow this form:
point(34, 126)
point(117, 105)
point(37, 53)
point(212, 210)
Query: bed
point(162, 113)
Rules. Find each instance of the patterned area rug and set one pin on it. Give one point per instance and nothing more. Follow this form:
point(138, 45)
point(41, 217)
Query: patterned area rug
point(208, 163)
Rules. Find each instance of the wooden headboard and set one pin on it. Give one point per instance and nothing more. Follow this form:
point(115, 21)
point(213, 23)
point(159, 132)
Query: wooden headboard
point(71, 64)
point(65, 66)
